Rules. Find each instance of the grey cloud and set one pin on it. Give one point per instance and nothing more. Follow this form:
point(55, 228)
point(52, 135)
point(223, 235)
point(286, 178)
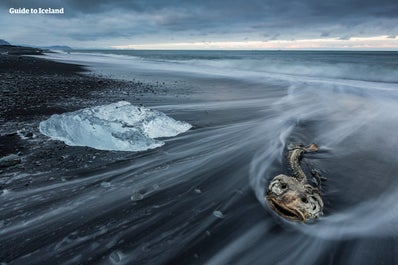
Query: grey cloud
point(345, 38)
point(139, 20)
point(274, 37)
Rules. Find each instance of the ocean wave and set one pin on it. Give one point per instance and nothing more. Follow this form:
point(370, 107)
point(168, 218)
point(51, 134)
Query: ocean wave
point(363, 66)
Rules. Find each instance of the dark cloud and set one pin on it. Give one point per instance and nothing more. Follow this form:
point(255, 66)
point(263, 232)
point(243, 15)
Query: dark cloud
point(139, 20)
point(231, 9)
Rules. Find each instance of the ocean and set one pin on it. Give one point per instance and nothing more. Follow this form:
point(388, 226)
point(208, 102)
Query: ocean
point(376, 66)
point(199, 198)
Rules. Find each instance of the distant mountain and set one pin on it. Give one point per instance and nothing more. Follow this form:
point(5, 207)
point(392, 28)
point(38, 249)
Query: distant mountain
point(3, 42)
point(58, 47)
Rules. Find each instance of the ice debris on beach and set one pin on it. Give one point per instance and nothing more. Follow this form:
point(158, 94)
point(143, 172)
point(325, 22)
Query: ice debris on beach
point(119, 126)
point(218, 214)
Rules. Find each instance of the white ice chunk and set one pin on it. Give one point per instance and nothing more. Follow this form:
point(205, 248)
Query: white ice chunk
point(218, 214)
point(136, 196)
point(119, 126)
point(115, 257)
point(106, 184)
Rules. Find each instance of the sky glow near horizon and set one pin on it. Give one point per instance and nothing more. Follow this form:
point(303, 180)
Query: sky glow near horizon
point(206, 24)
point(360, 43)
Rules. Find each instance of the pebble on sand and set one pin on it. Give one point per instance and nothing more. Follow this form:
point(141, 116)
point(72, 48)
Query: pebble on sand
point(10, 160)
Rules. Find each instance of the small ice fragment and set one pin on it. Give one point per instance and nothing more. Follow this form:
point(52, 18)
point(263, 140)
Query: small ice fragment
point(25, 135)
point(218, 214)
point(198, 191)
point(115, 257)
point(105, 184)
point(136, 196)
point(4, 192)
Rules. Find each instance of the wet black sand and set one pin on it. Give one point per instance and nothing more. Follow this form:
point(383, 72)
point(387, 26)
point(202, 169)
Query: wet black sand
point(197, 199)
point(33, 89)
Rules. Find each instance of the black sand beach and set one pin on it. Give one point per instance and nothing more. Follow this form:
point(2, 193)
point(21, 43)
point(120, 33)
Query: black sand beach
point(198, 199)
point(34, 88)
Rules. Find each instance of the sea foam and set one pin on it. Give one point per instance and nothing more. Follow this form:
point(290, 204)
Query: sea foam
point(119, 126)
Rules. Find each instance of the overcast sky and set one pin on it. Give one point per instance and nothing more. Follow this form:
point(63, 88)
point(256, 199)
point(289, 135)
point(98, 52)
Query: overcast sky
point(276, 24)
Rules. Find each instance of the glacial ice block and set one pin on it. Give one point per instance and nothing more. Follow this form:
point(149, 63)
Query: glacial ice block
point(119, 126)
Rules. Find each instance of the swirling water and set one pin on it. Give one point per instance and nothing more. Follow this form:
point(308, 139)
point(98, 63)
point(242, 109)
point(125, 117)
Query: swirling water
point(199, 198)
